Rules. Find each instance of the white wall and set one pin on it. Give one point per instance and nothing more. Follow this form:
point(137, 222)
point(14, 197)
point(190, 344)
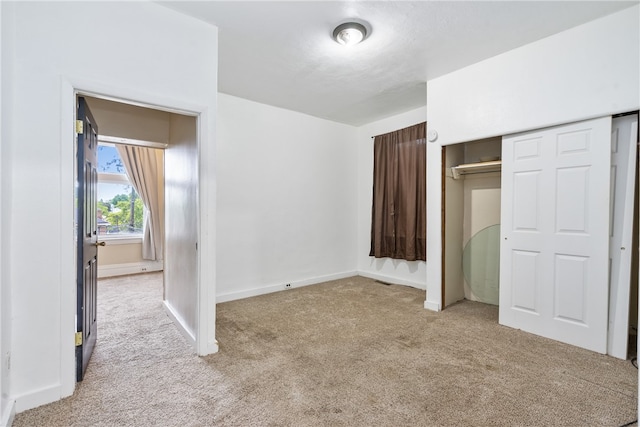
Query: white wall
point(121, 257)
point(6, 53)
point(410, 273)
point(129, 50)
point(181, 226)
point(286, 199)
point(588, 71)
point(115, 252)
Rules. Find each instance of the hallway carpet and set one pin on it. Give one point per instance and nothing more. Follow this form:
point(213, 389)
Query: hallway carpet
point(351, 352)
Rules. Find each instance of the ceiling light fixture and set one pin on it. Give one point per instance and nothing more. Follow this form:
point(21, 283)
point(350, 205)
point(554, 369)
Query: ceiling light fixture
point(349, 33)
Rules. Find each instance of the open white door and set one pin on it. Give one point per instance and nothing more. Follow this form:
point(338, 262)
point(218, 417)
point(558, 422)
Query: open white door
point(624, 134)
point(554, 252)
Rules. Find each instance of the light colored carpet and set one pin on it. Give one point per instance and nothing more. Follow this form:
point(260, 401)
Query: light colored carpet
point(351, 352)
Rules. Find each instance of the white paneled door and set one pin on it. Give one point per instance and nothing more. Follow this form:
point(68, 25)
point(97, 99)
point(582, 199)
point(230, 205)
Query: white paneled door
point(554, 251)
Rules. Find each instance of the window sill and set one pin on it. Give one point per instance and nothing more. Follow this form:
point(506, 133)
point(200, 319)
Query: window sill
point(120, 240)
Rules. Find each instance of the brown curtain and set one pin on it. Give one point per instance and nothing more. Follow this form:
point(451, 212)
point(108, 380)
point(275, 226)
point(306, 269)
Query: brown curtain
point(398, 215)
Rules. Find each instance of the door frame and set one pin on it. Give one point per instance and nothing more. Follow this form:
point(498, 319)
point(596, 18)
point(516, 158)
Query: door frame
point(621, 259)
point(205, 187)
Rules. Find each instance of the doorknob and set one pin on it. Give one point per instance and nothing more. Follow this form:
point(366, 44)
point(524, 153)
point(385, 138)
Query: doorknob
point(101, 243)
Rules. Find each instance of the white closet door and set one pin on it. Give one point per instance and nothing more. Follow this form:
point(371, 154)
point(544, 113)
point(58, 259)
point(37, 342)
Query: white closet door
point(624, 134)
point(554, 252)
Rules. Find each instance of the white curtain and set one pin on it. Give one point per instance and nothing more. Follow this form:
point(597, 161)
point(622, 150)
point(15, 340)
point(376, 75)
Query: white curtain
point(141, 165)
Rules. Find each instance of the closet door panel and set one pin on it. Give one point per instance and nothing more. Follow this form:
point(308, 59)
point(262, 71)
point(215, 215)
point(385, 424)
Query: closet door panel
point(554, 242)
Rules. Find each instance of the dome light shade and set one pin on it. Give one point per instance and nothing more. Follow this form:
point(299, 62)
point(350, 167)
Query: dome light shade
point(349, 33)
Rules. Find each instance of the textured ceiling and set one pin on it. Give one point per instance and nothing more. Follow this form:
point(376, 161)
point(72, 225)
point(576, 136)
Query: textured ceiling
point(282, 54)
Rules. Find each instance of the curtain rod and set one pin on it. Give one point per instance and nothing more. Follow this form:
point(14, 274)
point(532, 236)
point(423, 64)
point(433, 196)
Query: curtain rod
point(399, 129)
point(130, 141)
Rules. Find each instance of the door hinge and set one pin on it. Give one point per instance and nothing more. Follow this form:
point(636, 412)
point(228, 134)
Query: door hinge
point(78, 338)
point(79, 126)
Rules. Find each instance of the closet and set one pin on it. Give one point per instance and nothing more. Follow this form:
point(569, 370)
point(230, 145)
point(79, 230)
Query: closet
point(566, 273)
point(471, 181)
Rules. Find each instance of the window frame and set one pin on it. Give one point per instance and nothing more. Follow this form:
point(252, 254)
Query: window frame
point(122, 179)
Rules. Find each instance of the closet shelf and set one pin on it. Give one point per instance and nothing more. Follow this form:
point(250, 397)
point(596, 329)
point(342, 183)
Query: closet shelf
point(473, 168)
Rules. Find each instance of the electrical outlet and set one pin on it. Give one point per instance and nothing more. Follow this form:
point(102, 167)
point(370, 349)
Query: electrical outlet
point(287, 286)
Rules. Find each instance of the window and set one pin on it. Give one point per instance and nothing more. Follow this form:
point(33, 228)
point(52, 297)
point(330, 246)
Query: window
point(120, 209)
point(398, 215)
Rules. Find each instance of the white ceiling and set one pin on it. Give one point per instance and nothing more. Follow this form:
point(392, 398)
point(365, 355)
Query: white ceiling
point(282, 54)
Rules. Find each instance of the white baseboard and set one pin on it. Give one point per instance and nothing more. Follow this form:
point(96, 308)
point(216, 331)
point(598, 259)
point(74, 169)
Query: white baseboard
point(180, 324)
point(37, 398)
point(8, 414)
point(393, 280)
point(213, 347)
point(113, 270)
point(231, 296)
point(433, 306)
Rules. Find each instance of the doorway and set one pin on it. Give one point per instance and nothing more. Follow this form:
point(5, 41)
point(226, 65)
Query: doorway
point(123, 123)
